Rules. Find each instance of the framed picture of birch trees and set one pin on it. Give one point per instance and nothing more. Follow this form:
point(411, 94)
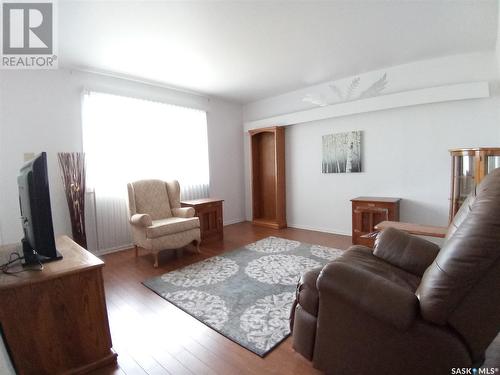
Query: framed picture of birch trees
point(342, 152)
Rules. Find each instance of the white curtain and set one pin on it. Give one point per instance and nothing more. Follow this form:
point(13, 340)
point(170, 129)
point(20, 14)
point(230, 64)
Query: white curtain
point(127, 139)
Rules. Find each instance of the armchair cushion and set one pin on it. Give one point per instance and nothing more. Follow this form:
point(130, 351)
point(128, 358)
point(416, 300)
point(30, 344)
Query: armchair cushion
point(142, 220)
point(171, 225)
point(183, 212)
point(411, 253)
point(377, 296)
point(151, 198)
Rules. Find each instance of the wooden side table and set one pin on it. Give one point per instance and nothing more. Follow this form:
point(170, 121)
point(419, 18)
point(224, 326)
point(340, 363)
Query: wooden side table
point(209, 211)
point(367, 212)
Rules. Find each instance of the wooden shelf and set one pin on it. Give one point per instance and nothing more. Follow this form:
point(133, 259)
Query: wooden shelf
point(270, 223)
point(268, 177)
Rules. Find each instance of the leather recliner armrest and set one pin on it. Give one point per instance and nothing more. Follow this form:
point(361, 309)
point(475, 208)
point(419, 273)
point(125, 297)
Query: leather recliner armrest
point(410, 253)
point(306, 294)
point(184, 212)
point(142, 220)
point(376, 296)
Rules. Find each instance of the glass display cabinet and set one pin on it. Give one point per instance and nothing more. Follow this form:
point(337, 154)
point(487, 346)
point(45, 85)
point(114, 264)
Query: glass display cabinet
point(468, 168)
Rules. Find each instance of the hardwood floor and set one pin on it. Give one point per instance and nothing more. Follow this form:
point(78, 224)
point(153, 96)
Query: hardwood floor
point(154, 337)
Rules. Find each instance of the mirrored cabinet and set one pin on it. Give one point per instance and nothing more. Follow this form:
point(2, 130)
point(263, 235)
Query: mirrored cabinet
point(468, 168)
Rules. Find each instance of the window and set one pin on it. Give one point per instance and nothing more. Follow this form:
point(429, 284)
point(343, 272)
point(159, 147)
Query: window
point(127, 139)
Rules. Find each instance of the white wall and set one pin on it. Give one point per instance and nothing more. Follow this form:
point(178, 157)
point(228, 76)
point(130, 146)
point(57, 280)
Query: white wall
point(41, 111)
point(405, 150)
point(226, 158)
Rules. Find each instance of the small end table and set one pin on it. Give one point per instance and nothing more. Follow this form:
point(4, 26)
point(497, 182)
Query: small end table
point(209, 211)
point(368, 212)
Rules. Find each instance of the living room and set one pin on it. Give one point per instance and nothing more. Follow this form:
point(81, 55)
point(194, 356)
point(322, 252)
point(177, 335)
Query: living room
point(202, 157)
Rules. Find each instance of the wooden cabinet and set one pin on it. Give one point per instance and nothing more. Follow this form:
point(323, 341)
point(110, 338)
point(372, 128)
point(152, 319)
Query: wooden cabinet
point(209, 212)
point(367, 212)
point(468, 168)
point(55, 321)
point(267, 147)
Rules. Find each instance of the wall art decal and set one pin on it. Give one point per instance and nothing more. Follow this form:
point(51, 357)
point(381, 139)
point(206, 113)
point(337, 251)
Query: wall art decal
point(337, 95)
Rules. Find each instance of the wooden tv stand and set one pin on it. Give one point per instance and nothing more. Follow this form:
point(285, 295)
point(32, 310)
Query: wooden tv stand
point(55, 321)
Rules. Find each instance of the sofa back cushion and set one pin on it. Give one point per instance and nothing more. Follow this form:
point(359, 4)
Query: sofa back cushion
point(461, 214)
point(151, 197)
point(466, 258)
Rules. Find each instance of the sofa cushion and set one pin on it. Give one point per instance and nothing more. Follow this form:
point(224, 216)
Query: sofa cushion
point(171, 225)
point(466, 257)
point(461, 214)
point(362, 257)
point(401, 249)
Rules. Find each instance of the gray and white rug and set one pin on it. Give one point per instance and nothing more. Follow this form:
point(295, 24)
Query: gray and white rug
point(245, 294)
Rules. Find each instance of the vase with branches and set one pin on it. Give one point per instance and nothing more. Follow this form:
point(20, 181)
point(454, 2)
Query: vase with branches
point(72, 167)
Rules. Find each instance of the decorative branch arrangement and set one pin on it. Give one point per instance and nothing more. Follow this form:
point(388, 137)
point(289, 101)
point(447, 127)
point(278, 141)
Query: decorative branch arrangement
point(72, 167)
point(374, 89)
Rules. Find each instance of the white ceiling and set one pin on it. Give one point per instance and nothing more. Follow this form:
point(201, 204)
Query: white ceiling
point(245, 51)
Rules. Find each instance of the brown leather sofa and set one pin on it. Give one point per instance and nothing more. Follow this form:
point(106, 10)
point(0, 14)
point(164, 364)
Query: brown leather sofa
point(407, 307)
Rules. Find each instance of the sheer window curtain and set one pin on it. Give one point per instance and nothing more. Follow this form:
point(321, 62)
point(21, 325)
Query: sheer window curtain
point(127, 139)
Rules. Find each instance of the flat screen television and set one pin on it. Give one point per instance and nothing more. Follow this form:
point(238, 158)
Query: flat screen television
point(34, 199)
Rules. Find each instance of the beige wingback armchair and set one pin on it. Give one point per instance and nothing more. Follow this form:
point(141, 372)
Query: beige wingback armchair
point(157, 219)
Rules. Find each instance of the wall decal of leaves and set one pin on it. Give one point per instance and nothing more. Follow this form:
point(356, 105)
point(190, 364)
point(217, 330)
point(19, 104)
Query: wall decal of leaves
point(322, 100)
point(376, 88)
point(317, 99)
point(349, 92)
point(352, 88)
point(337, 91)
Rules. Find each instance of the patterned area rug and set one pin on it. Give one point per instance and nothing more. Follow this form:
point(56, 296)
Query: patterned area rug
point(246, 294)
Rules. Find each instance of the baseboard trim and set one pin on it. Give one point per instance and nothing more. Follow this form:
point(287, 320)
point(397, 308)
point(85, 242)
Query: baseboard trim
point(114, 249)
point(234, 221)
point(320, 229)
point(107, 360)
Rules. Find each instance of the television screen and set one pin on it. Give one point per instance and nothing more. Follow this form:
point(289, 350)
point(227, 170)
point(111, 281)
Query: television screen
point(36, 215)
